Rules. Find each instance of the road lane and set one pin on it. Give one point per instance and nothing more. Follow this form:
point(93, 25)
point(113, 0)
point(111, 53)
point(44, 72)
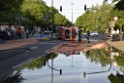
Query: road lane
point(8, 64)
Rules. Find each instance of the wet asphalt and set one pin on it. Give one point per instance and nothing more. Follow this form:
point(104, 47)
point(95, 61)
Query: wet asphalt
point(11, 59)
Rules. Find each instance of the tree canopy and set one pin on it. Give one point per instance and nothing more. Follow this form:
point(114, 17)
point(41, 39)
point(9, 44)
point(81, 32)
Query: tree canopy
point(95, 19)
point(30, 12)
point(7, 5)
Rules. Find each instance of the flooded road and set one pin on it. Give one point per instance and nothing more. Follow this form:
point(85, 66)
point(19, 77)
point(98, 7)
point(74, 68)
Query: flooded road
point(95, 66)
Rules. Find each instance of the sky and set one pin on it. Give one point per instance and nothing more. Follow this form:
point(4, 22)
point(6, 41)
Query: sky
point(78, 7)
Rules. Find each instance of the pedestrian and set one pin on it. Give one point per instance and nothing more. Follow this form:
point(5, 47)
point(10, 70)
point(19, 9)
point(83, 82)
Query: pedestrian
point(79, 35)
point(9, 34)
point(27, 32)
point(18, 32)
point(88, 36)
point(1, 33)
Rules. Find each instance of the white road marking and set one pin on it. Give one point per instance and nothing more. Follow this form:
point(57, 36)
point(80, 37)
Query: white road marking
point(34, 48)
point(48, 51)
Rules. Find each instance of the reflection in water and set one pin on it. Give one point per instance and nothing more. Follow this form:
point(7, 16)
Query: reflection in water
point(72, 53)
point(101, 62)
point(14, 78)
point(53, 68)
point(96, 55)
point(118, 78)
point(88, 52)
point(99, 56)
point(107, 56)
point(38, 63)
point(60, 70)
point(98, 72)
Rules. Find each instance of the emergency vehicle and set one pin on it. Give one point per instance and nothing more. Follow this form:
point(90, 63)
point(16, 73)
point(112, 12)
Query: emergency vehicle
point(68, 33)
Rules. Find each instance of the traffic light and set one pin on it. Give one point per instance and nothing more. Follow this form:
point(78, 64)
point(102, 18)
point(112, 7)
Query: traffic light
point(61, 8)
point(85, 7)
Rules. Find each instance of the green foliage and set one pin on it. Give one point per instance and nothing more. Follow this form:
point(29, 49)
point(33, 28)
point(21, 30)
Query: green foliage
point(39, 62)
point(10, 5)
point(120, 15)
point(120, 60)
point(118, 78)
point(96, 19)
point(8, 10)
point(98, 56)
point(59, 20)
point(119, 5)
point(14, 78)
point(31, 12)
point(34, 10)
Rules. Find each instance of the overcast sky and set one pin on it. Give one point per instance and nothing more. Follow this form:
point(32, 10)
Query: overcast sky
point(78, 7)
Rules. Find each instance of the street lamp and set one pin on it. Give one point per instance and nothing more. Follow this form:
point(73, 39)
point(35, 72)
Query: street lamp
point(72, 12)
point(52, 17)
point(98, 72)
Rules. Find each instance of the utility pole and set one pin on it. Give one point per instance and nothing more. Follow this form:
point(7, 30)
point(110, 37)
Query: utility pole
point(52, 16)
point(72, 12)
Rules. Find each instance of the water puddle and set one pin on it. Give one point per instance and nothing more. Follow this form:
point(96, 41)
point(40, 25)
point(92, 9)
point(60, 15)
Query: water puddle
point(95, 66)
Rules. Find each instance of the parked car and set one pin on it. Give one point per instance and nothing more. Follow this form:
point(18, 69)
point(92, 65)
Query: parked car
point(47, 32)
point(94, 33)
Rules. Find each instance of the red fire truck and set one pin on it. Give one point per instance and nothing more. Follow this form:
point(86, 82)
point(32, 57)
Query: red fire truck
point(68, 33)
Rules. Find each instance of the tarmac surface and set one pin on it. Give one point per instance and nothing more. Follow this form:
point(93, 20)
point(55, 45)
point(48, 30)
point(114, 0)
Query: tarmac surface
point(11, 44)
point(116, 44)
point(11, 59)
point(15, 53)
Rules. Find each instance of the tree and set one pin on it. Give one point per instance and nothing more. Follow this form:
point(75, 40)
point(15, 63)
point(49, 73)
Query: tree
point(34, 10)
point(118, 78)
point(119, 4)
point(95, 19)
point(59, 20)
point(8, 10)
point(120, 15)
point(7, 5)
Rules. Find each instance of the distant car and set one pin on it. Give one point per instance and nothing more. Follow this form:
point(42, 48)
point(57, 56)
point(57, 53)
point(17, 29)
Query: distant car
point(46, 32)
point(94, 33)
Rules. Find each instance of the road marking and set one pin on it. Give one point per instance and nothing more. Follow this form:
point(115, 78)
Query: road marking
point(26, 61)
point(48, 51)
point(34, 48)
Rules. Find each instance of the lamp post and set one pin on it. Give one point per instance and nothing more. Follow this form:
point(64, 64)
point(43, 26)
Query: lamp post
point(98, 72)
point(72, 12)
point(52, 18)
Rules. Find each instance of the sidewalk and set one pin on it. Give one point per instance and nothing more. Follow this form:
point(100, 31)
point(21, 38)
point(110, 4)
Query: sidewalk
point(11, 44)
point(116, 44)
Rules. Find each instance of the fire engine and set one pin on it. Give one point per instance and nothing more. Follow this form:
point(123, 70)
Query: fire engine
point(68, 33)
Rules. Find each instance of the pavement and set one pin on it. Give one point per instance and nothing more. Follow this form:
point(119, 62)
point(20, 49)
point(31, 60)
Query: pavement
point(11, 44)
point(116, 44)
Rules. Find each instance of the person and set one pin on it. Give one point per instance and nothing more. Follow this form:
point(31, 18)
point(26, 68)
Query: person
point(9, 34)
point(18, 32)
point(88, 36)
point(79, 35)
point(1, 33)
point(27, 32)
